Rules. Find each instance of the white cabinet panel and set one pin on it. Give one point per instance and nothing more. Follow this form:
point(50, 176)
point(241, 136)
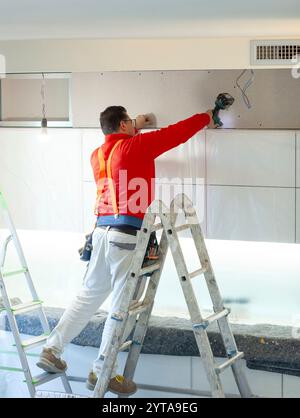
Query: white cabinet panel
point(251, 158)
point(89, 199)
point(297, 215)
point(196, 193)
point(187, 161)
point(91, 139)
point(298, 159)
point(251, 213)
point(41, 178)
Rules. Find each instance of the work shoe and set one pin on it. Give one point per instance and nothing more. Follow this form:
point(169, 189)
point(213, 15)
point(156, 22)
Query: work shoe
point(118, 384)
point(50, 363)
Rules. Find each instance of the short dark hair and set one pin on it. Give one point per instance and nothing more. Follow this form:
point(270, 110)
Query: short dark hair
point(111, 117)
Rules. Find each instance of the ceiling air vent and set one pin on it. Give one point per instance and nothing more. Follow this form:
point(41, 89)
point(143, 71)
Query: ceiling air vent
point(270, 52)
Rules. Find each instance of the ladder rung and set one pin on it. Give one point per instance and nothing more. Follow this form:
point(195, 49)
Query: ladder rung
point(229, 362)
point(33, 342)
point(182, 227)
point(125, 345)
point(157, 227)
point(15, 353)
point(26, 307)
point(198, 272)
point(11, 369)
point(45, 377)
point(14, 272)
point(215, 317)
point(139, 309)
point(149, 269)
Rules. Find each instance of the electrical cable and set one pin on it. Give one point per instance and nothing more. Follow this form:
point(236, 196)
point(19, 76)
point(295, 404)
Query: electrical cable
point(246, 86)
point(44, 122)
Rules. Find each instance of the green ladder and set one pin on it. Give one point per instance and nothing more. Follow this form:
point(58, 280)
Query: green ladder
point(15, 309)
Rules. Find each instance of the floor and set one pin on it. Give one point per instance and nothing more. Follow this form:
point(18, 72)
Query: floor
point(183, 372)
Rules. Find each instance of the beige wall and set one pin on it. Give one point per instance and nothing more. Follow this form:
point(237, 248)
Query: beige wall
point(127, 54)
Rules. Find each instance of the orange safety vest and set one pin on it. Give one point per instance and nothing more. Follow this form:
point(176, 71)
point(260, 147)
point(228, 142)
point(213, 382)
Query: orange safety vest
point(106, 174)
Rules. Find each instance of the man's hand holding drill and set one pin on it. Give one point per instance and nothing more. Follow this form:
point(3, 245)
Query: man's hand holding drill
point(212, 124)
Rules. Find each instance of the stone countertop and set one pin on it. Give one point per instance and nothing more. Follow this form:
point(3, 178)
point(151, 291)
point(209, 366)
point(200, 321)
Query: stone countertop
point(266, 347)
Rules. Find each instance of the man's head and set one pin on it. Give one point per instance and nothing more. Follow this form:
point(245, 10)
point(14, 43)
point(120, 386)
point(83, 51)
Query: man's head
point(114, 119)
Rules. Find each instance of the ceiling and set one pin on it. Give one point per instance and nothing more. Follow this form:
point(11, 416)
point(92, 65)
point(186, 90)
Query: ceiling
point(38, 19)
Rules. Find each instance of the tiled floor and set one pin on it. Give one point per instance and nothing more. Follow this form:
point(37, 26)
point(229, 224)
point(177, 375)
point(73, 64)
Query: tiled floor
point(184, 373)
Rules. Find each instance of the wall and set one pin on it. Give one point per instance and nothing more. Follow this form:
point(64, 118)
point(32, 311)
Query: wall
point(175, 95)
point(129, 54)
point(170, 95)
point(252, 180)
point(253, 185)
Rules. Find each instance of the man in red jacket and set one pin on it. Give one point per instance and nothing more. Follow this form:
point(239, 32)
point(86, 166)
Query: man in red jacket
point(124, 172)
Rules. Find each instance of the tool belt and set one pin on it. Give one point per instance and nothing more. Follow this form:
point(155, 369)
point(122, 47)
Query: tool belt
point(151, 255)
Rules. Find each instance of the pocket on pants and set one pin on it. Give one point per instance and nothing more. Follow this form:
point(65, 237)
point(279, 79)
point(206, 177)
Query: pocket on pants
point(122, 241)
point(123, 245)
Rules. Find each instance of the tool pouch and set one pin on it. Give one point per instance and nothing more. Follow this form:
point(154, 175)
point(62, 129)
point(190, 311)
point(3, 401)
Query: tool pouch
point(152, 252)
point(86, 251)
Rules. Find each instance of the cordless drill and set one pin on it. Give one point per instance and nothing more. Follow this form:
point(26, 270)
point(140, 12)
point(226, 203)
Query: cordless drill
point(223, 101)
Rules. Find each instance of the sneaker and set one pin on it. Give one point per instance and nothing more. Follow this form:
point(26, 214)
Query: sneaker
point(50, 363)
point(118, 384)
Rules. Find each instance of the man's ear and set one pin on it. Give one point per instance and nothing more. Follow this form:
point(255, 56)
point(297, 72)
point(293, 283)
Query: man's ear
point(122, 126)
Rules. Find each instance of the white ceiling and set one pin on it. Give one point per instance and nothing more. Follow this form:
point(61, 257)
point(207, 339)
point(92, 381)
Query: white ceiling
point(38, 19)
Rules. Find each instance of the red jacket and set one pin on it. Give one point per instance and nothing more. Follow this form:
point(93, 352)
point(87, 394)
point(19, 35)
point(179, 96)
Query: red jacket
point(133, 168)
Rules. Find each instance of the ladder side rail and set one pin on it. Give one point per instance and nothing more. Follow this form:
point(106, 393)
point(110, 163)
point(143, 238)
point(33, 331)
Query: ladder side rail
point(4, 251)
point(143, 320)
point(183, 202)
point(16, 241)
point(15, 331)
point(120, 327)
point(11, 318)
point(192, 304)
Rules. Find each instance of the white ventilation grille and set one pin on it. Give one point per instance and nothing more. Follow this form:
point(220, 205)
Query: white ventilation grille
point(270, 52)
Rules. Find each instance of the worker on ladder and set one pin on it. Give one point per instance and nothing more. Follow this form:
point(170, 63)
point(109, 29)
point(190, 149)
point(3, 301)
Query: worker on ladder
point(121, 166)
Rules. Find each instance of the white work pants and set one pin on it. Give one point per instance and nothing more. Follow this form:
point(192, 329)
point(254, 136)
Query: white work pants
point(110, 261)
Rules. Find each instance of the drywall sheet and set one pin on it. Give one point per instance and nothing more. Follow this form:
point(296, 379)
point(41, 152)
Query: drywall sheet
point(175, 95)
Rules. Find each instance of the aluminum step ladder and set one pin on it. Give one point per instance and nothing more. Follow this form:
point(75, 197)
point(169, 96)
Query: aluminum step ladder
point(141, 312)
point(12, 310)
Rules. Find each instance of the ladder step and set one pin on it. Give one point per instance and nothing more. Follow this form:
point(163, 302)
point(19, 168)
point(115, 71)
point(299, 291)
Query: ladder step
point(125, 345)
point(34, 342)
point(12, 301)
point(183, 227)
point(149, 269)
point(11, 369)
point(139, 309)
point(157, 227)
point(45, 377)
point(214, 317)
point(229, 362)
point(198, 272)
point(15, 353)
point(26, 307)
point(14, 272)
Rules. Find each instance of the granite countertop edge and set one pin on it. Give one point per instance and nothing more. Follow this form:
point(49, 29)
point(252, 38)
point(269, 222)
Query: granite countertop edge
point(266, 347)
